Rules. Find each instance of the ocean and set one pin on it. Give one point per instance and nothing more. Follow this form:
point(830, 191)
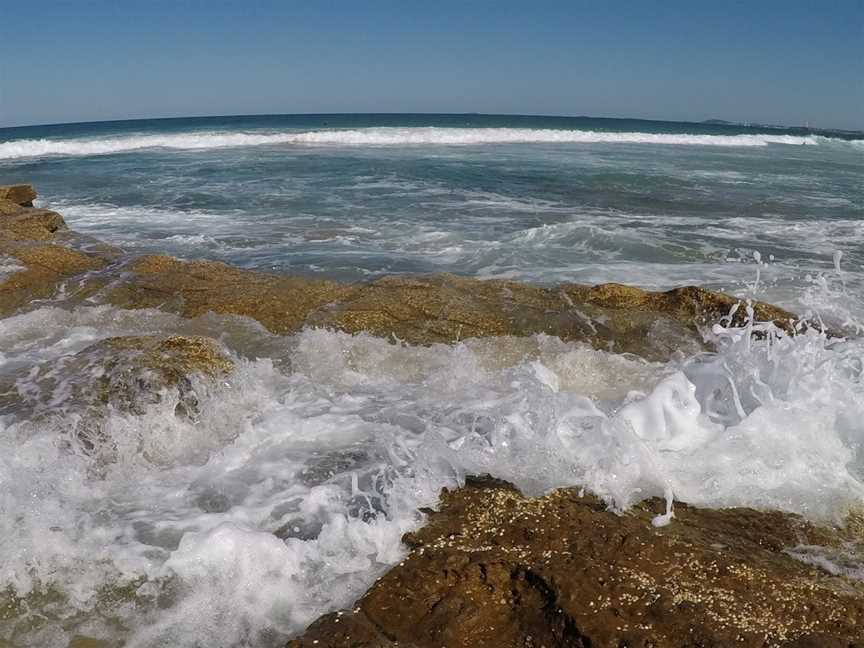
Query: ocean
point(341, 439)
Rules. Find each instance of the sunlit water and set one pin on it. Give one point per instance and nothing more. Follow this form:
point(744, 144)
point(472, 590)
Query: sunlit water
point(288, 492)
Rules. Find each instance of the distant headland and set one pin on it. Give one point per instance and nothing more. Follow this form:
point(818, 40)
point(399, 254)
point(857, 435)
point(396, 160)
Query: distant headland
point(804, 129)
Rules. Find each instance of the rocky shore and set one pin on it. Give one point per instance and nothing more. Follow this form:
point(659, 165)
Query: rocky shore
point(415, 310)
point(491, 567)
point(494, 568)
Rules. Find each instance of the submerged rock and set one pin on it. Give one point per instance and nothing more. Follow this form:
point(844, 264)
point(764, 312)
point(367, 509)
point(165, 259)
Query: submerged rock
point(492, 568)
point(121, 375)
point(124, 366)
point(689, 304)
point(128, 373)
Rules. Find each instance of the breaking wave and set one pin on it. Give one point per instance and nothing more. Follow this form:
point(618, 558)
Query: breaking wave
point(385, 136)
point(289, 494)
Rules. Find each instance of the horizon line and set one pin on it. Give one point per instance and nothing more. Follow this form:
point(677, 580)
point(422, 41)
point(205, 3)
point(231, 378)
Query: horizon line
point(705, 122)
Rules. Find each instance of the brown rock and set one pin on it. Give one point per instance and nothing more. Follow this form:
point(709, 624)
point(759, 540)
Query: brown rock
point(690, 303)
point(191, 288)
point(9, 207)
point(120, 374)
point(21, 194)
point(417, 310)
point(23, 235)
point(29, 224)
point(438, 308)
point(128, 373)
point(170, 358)
point(495, 569)
point(45, 266)
point(448, 308)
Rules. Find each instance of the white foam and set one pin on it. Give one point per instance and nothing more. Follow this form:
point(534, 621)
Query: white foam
point(337, 455)
point(384, 136)
point(8, 267)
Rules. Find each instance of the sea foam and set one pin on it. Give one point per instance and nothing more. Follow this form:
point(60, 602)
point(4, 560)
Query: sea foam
point(382, 136)
point(290, 493)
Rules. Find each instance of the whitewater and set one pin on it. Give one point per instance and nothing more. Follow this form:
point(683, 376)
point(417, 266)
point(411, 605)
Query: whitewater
point(287, 495)
point(389, 136)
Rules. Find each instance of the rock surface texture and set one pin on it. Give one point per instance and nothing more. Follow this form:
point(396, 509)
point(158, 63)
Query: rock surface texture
point(21, 194)
point(437, 308)
point(492, 568)
point(119, 375)
point(32, 243)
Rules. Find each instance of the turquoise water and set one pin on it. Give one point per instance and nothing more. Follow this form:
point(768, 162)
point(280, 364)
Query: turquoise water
point(287, 495)
point(535, 198)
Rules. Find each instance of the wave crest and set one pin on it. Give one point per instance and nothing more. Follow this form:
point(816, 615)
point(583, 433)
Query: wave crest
point(384, 136)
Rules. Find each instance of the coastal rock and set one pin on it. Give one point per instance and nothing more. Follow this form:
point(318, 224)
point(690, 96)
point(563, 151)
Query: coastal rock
point(492, 568)
point(29, 224)
point(448, 308)
point(120, 375)
point(191, 288)
point(437, 308)
point(169, 359)
point(29, 237)
point(690, 304)
point(44, 267)
point(125, 373)
point(128, 373)
point(8, 207)
point(21, 194)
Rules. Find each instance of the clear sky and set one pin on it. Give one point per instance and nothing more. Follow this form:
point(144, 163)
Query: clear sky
point(779, 62)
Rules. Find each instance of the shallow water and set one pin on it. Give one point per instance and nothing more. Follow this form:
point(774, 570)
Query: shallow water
point(540, 199)
point(287, 494)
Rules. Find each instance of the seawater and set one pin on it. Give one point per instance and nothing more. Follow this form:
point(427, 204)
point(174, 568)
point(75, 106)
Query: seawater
point(288, 494)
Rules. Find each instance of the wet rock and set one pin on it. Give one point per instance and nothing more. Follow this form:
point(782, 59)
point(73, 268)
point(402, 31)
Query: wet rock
point(122, 375)
point(29, 224)
point(192, 288)
point(438, 308)
point(19, 221)
point(492, 568)
point(30, 237)
point(446, 308)
point(171, 358)
point(417, 309)
point(20, 194)
point(689, 304)
point(45, 266)
point(128, 373)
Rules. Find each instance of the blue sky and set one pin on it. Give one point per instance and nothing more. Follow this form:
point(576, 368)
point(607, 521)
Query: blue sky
point(781, 62)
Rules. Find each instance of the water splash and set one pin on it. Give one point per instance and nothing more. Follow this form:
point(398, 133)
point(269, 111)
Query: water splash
point(290, 492)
